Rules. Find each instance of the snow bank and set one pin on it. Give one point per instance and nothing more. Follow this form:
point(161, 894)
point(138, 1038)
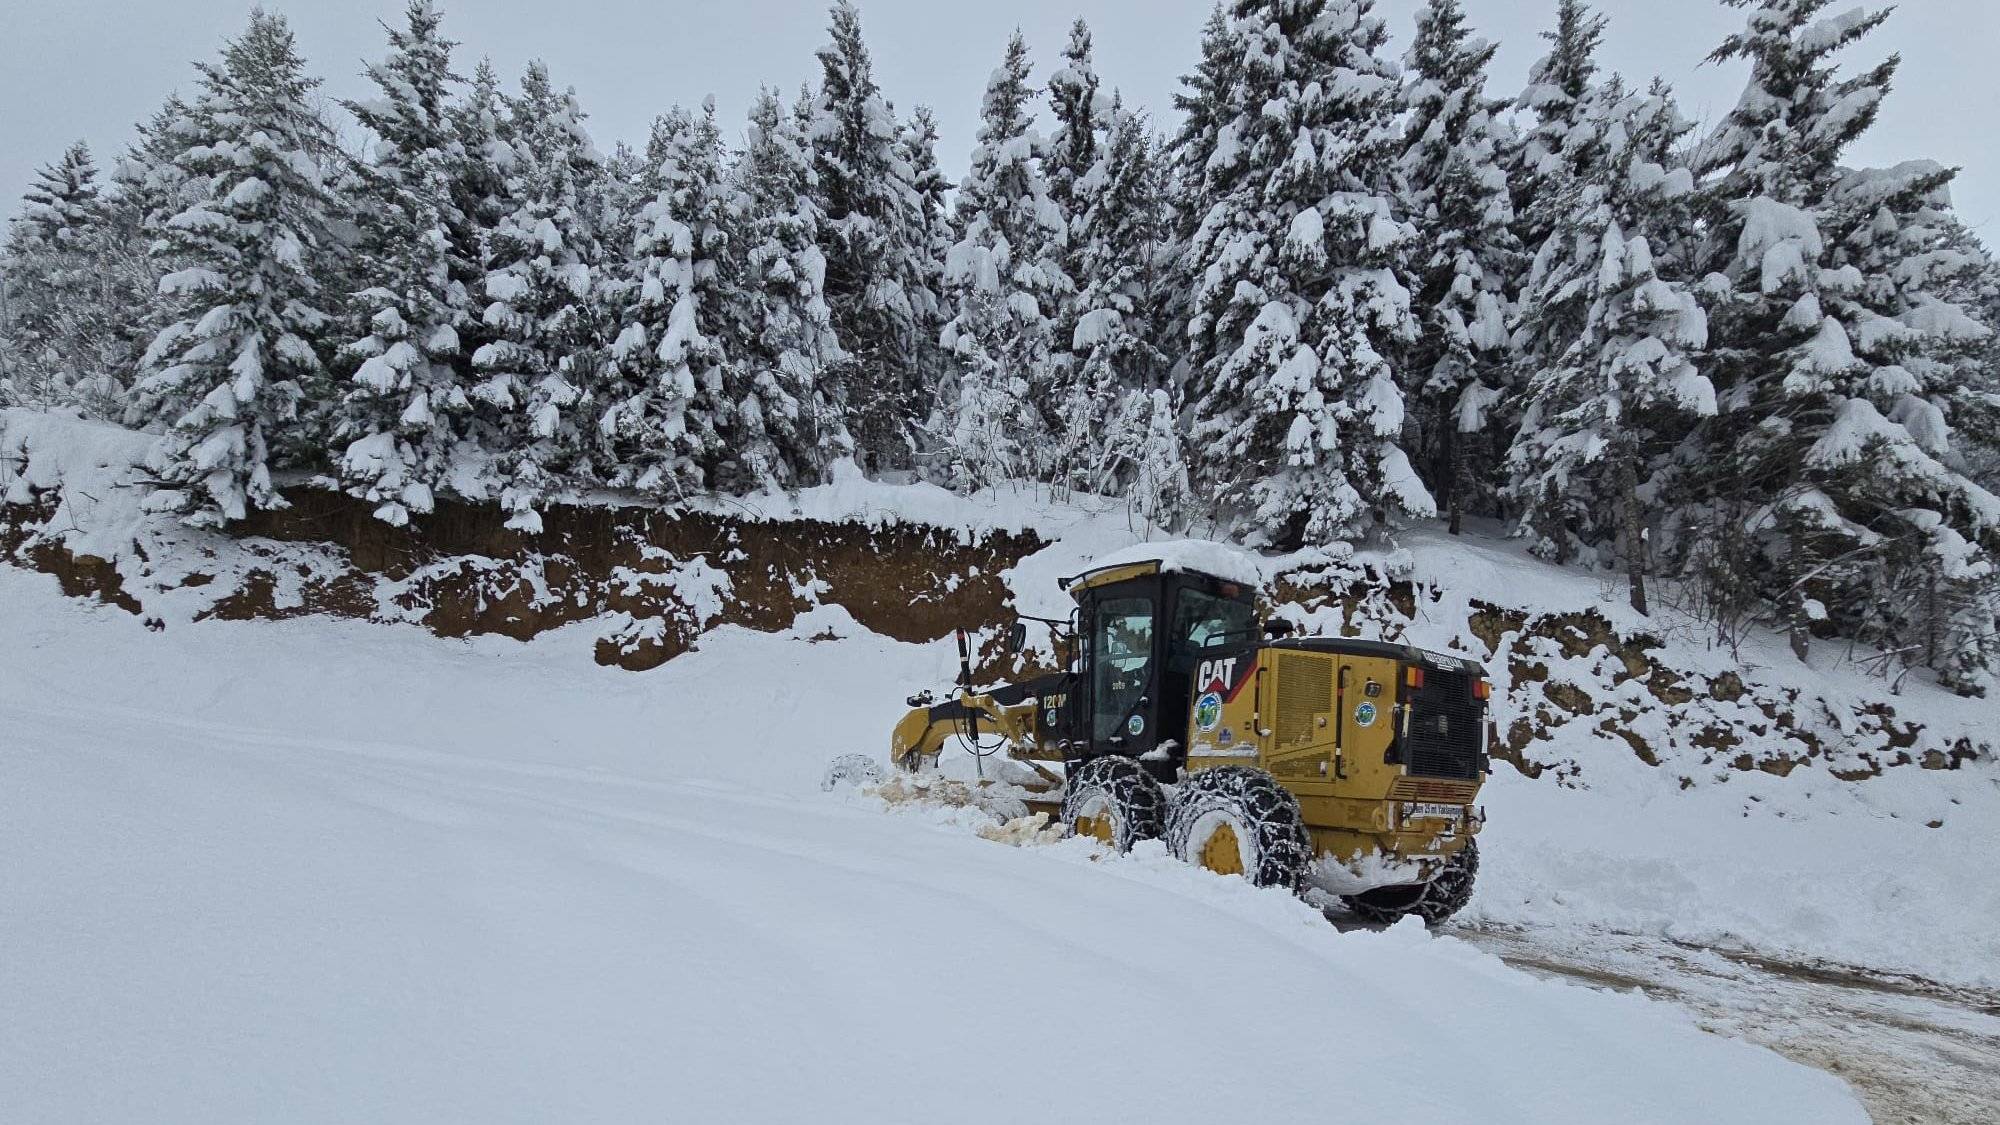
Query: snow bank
point(257, 874)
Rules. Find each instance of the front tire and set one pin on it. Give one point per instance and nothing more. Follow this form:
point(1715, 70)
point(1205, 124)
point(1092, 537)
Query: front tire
point(1115, 801)
point(1235, 820)
point(1435, 901)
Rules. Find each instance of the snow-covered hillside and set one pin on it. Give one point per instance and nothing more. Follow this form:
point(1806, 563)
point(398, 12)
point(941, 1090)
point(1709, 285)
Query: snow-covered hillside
point(319, 871)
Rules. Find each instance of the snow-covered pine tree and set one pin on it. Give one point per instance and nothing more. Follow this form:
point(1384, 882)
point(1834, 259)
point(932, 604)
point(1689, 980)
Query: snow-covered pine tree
point(667, 406)
point(63, 343)
point(1915, 311)
point(1007, 287)
point(1833, 343)
point(1203, 103)
point(1453, 166)
point(547, 342)
point(928, 235)
point(786, 420)
point(401, 418)
point(863, 188)
point(1610, 332)
point(226, 377)
point(482, 161)
point(1110, 413)
point(1975, 411)
point(1558, 86)
point(1299, 277)
point(1160, 489)
point(149, 187)
point(1081, 125)
point(1104, 365)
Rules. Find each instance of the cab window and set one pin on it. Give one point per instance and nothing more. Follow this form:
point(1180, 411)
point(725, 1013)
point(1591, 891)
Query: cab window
point(1202, 619)
point(1122, 639)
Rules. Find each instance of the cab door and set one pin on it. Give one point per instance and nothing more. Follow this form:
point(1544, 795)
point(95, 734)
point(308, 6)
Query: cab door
point(1121, 635)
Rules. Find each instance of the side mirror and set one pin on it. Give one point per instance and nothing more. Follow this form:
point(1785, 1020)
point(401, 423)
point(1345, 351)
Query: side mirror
point(1017, 636)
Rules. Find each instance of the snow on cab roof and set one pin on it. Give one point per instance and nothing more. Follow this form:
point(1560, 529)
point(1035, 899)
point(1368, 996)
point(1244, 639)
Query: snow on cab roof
point(1202, 556)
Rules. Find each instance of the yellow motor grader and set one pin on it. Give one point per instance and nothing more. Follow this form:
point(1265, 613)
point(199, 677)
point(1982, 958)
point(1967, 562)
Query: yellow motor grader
point(1349, 766)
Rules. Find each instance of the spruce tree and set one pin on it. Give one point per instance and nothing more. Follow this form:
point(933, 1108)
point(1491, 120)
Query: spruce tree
point(1117, 336)
point(873, 259)
point(1457, 194)
point(1834, 342)
point(1559, 85)
point(1298, 268)
point(667, 405)
point(1008, 288)
point(1080, 111)
point(402, 417)
point(226, 377)
point(787, 426)
point(547, 337)
point(64, 265)
point(482, 161)
point(928, 235)
point(1611, 334)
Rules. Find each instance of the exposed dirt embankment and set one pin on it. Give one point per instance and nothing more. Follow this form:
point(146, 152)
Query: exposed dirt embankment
point(658, 580)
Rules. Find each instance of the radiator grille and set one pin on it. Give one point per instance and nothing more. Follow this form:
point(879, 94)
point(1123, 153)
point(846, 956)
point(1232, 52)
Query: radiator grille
point(1433, 789)
point(1446, 725)
point(1305, 692)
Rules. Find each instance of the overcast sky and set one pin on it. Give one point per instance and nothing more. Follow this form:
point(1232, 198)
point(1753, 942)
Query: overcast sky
point(90, 68)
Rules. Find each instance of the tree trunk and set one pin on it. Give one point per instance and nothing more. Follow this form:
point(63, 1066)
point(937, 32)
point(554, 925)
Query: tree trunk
point(1634, 532)
point(1454, 502)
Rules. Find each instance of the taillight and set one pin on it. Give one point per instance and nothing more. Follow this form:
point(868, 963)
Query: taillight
point(1481, 689)
point(1413, 678)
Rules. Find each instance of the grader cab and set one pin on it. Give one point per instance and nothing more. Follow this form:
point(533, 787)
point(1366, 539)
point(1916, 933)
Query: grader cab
point(1350, 766)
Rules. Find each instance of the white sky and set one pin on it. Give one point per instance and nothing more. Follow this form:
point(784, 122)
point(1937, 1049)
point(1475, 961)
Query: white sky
point(90, 68)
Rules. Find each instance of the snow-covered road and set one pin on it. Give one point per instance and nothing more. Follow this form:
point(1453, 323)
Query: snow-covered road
point(1915, 1051)
point(315, 871)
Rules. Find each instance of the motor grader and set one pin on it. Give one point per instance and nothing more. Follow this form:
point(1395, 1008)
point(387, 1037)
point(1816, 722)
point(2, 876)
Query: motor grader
point(1349, 766)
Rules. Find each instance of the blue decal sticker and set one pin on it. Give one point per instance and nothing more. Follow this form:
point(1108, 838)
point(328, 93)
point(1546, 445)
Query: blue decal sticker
point(1208, 712)
point(1136, 725)
point(1365, 714)
point(1226, 737)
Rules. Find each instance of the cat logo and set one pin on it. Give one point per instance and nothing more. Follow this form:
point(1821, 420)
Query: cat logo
point(1220, 671)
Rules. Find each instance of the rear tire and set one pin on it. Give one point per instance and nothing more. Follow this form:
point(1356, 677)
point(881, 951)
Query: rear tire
point(1114, 800)
point(1235, 820)
point(1437, 900)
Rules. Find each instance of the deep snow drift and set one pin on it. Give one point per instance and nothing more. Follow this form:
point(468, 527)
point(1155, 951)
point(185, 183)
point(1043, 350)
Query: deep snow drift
point(328, 871)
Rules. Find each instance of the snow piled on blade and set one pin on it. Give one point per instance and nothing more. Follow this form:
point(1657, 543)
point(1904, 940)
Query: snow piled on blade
point(537, 891)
